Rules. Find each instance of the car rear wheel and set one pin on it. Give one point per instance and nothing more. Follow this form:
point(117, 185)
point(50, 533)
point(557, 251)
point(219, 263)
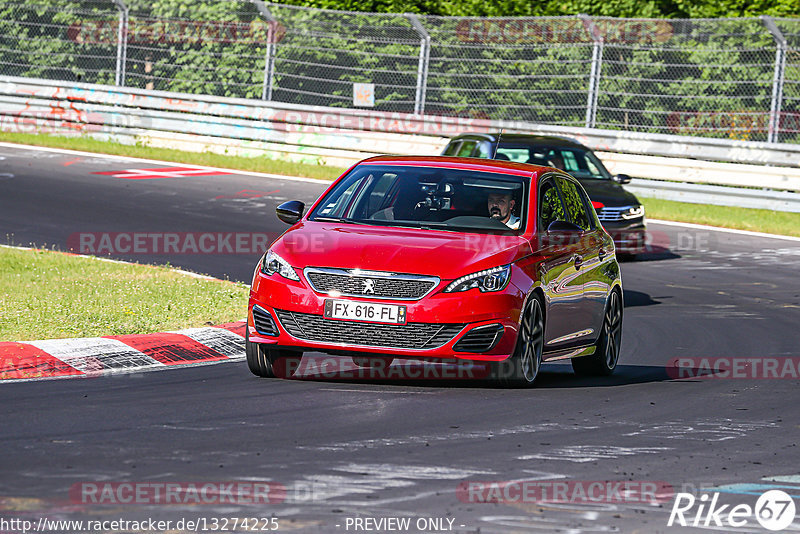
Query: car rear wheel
point(268, 362)
point(606, 354)
point(522, 368)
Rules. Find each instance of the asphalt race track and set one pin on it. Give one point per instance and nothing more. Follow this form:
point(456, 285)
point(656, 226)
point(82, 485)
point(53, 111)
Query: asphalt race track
point(391, 448)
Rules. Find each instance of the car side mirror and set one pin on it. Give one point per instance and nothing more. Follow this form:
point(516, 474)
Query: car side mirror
point(621, 178)
point(564, 227)
point(290, 212)
point(561, 233)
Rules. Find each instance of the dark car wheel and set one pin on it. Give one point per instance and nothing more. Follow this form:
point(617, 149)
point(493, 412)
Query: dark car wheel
point(257, 360)
point(606, 354)
point(270, 363)
point(522, 368)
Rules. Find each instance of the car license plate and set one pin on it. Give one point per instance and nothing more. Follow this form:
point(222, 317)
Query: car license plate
point(365, 311)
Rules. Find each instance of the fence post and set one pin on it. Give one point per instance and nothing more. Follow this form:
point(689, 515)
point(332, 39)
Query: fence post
point(773, 133)
point(122, 42)
point(424, 60)
point(269, 57)
point(594, 74)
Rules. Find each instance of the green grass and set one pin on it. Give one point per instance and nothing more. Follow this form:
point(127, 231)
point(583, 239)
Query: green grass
point(774, 222)
point(48, 295)
point(771, 222)
point(209, 159)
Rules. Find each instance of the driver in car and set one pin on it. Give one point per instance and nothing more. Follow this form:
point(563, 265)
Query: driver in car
point(500, 206)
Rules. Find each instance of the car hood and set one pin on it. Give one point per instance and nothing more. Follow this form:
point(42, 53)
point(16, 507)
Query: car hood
point(447, 255)
point(608, 192)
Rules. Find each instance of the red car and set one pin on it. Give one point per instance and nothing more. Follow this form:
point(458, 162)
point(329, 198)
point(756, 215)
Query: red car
point(445, 259)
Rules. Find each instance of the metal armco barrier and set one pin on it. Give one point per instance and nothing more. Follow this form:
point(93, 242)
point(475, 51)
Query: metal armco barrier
point(338, 136)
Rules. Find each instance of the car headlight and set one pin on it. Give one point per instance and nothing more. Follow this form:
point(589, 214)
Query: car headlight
point(271, 263)
point(489, 280)
point(633, 212)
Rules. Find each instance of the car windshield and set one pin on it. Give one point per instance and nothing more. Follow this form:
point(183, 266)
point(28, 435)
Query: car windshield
point(578, 162)
point(427, 197)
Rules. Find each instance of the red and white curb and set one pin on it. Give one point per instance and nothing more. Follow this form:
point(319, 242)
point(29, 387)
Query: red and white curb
point(108, 355)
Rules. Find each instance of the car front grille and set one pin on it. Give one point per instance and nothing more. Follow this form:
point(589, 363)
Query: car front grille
point(378, 285)
point(480, 339)
point(612, 214)
point(264, 323)
point(408, 336)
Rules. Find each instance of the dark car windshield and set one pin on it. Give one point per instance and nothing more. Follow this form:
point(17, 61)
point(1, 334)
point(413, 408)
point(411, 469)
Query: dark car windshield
point(427, 197)
point(578, 162)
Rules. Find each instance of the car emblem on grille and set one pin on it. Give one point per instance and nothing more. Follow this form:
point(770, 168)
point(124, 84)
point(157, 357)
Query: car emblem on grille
point(369, 286)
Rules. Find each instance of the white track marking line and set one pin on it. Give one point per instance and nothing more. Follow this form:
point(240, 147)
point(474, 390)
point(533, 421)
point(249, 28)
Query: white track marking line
point(720, 229)
point(99, 155)
point(97, 355)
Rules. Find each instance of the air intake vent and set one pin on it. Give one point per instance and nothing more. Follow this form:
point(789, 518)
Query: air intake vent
point(370, 284)
point(480, 339)
point(264, 323)
point(408, 336)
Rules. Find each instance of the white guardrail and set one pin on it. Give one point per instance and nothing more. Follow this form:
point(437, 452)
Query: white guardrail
point(673, 165)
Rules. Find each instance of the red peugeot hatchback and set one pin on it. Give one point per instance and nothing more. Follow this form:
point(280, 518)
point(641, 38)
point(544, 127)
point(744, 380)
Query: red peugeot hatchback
point(444, 259)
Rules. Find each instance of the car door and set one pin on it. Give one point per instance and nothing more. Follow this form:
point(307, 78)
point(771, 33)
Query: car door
point(588, 259)
point(561, 281)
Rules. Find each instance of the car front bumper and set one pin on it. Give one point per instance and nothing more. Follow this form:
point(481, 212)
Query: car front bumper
point(296, 313)
point(629, 237)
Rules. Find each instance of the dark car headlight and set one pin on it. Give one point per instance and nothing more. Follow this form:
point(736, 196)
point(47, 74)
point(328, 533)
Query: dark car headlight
point(271, 263)
point(634, 212)
point(495, 279)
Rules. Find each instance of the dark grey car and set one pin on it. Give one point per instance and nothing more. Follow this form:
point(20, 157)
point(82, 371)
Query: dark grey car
point(620, 212)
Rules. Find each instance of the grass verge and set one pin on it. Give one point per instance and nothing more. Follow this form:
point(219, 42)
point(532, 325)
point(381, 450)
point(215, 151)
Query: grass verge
point(209, 159)
point(48, 295)
point(771, 222)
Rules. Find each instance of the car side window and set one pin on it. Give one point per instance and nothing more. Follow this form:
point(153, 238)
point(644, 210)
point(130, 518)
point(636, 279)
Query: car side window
point(550, 207)
point(452, 148)
point(575, 203)
point(484, 150)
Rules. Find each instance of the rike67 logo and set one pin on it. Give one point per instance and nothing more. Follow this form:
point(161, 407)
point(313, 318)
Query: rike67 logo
point(774, 510)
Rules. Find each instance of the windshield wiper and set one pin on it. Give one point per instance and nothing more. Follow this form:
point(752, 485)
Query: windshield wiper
point(339, 219)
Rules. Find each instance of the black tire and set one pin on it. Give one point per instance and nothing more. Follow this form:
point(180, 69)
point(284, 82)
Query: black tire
point(523, 367)
point(257, 359)
point(372, 363)
point(268, 362)
point(606, 354)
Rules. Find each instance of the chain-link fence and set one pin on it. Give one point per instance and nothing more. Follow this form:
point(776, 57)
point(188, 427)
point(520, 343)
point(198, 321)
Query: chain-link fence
point(729, 78)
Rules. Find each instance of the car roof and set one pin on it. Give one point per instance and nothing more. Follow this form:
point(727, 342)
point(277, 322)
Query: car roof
point(548, 140)
point(451, 162)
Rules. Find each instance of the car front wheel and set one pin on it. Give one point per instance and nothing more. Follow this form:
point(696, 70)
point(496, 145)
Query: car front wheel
point(522, 368)
point(269, 362)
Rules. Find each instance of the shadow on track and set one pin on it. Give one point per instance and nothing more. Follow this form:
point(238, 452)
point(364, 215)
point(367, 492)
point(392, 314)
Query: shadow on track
point(417, 374)
point(637, 298)
point(653, 253)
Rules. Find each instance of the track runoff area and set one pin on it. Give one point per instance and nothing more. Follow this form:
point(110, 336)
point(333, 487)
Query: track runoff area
point(695, 431)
